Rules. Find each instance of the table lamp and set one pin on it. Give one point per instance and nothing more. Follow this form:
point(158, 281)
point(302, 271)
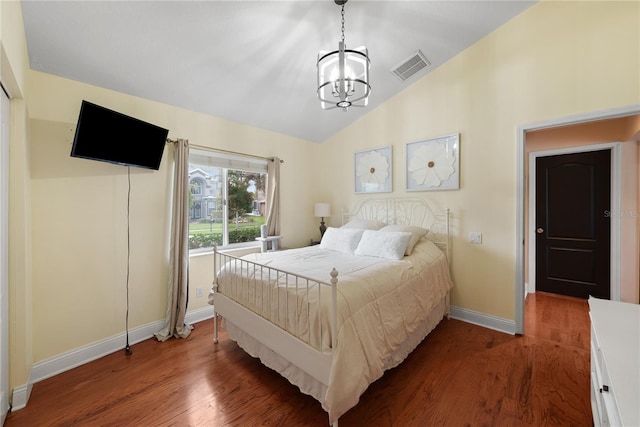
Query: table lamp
point(322, 210)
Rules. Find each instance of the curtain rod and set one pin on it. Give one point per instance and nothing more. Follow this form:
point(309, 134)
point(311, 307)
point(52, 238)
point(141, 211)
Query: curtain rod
point(220, 150)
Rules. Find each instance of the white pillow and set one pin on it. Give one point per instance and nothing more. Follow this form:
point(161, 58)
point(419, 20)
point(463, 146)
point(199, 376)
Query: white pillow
point(390, 245)
point(343, 240)
point(417, 233)
point(364, 224)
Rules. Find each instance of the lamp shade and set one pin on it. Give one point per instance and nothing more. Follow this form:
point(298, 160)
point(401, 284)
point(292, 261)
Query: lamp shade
point(322, 210)
point(343, 78)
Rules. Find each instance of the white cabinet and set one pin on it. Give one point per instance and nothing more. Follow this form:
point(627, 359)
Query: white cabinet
point(615, 363)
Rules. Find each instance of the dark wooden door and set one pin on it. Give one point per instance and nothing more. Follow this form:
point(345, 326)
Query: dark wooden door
point(573, 233)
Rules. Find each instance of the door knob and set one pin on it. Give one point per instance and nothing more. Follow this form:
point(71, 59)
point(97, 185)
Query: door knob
point(540, 230)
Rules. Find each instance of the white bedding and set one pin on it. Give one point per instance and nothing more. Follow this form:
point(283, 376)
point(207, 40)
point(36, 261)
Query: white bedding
point(381, 304)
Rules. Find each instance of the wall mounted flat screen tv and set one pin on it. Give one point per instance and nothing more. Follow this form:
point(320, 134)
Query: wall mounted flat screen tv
point(106, 135)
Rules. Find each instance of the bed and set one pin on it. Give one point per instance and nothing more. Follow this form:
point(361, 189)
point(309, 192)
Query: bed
point(331, 318)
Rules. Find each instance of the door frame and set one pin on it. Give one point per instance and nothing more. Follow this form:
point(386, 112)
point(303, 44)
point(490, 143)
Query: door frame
point(4, 256)
point(616, 183)
point(521, 179)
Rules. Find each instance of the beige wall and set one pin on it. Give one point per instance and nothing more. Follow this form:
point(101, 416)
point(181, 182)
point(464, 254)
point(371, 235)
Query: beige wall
point(556, 59)
point(80, 214)
point(593, 133)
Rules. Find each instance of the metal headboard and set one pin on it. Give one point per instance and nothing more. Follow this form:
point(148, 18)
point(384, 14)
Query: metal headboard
point(406, 211)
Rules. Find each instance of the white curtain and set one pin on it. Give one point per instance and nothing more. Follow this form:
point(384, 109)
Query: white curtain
point(179, 253)
point(273, 197)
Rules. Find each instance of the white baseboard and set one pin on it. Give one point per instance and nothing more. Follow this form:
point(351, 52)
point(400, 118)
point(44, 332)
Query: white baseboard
point(20, 395)
point(485, 320)
point(66, 361)
point(529, 289)
point(199, 315)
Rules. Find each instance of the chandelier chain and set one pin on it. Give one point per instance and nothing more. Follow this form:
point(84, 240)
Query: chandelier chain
point(343, 23)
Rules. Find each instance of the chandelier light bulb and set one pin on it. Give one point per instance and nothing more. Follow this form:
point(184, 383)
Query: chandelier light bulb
point(335, 73)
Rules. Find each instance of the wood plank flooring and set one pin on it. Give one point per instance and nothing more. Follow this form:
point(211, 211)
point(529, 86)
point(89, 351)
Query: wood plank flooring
point(461, 375)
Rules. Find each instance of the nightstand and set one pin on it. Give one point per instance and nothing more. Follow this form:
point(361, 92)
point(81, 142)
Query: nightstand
point(269, 243)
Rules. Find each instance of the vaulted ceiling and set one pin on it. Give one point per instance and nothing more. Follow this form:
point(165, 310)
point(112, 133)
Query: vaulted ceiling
point(252, 62)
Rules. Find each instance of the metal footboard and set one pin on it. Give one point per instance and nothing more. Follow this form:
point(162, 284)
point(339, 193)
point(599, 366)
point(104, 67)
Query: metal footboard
point(301, 306)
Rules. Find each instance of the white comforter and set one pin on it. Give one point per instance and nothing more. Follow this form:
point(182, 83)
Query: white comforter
point(380, 303)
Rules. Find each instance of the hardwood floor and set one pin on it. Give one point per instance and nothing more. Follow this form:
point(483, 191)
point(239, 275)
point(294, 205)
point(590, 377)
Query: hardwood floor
point(461, 375)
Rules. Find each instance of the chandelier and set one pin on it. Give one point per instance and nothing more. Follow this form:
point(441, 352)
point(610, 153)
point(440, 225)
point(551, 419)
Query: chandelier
point(343, 75)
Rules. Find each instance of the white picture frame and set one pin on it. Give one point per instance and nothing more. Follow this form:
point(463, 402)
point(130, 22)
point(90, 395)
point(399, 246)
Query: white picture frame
point(433, 164)
point(373, 171)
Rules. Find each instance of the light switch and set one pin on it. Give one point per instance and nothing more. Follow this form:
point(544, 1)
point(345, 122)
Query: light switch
point(475, 237)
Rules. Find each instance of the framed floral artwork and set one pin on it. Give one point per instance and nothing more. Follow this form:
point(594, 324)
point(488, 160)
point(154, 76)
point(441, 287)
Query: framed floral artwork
point(372, 170)
point(434, 164)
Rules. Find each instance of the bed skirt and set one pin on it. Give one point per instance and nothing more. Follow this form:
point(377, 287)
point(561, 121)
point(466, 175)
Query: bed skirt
point(311, 386)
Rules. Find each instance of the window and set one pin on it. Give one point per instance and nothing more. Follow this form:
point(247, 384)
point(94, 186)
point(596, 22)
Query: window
point(227, 199)
point(196, 186)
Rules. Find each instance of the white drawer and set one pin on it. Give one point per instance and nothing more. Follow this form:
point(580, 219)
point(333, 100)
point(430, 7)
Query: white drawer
point(615, 390)
point(594, 333)
point(599, 410)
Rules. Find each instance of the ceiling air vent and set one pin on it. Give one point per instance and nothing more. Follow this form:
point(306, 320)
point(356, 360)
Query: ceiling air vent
point(407, 68)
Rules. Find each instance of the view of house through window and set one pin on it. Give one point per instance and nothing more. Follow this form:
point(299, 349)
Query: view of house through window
point(227, 198)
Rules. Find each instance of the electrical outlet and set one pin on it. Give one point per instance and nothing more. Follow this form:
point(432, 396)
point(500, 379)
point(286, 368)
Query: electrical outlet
point(475, 237)
point(199, 293)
